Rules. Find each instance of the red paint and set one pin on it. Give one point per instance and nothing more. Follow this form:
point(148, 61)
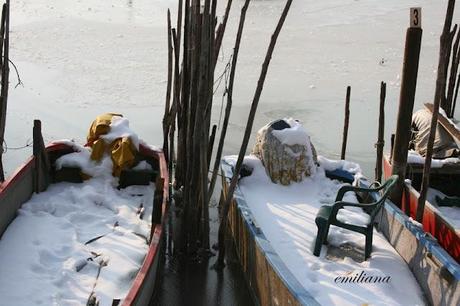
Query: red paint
point(433, 223)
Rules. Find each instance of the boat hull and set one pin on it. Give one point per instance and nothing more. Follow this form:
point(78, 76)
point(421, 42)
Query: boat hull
point(19, 188)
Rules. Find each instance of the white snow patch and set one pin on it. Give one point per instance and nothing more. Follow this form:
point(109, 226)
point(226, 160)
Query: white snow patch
point(414, 158)
point(119, 128)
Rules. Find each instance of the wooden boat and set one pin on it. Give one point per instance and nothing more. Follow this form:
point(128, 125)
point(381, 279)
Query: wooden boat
point(445, 178)
point(30, 177)
point(271, 282)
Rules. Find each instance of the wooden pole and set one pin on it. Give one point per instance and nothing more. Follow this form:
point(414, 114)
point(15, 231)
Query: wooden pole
point(211, 142)
point(228, 107)
point(4, 83)
point(380, 139)
point(166, 117)
point(345, 124)
point(438, 96)
point(453, 75)
point(247, 134)
point(406, 104)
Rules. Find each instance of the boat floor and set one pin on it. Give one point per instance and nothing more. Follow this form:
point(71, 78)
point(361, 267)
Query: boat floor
point(44, 246)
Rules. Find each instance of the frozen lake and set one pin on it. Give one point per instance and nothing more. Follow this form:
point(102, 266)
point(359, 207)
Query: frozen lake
point(78, 59)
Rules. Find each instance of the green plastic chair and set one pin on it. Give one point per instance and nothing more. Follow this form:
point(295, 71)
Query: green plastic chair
point(327, 214)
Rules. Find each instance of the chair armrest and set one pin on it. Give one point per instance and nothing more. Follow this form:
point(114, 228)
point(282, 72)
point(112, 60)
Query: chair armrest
point(341, 204)
point(346, 188)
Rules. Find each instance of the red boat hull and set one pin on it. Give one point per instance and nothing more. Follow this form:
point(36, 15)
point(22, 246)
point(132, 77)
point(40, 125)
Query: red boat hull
point(433, 222)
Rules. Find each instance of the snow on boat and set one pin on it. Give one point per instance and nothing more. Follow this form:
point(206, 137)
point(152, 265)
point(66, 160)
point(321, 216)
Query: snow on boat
point(273, 229)
point(82, 241)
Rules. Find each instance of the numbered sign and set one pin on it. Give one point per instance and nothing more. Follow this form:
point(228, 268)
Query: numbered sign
point(416, 17)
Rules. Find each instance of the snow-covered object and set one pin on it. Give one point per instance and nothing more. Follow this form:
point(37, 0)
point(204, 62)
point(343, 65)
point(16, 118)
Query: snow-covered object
point(414, 158)
point(119, 128)
point(285, 150)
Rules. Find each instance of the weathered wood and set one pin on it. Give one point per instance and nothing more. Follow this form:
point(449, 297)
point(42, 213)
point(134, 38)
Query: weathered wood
point(42, 165)
point(453, 75)
point(406, 107)
point(211, 142)
point(345, 124)
point(380, 137)
point(4, 83)
point(221, 30)
point(166, 117)
point(438, 99)
point(247, 133)
point(229, 92)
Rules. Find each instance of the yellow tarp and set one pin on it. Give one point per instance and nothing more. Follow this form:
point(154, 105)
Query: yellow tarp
point(121, 150)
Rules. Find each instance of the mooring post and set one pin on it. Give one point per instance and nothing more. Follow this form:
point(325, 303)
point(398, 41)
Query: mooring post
point(345, 124)
point(380, 139)
point(406, 101)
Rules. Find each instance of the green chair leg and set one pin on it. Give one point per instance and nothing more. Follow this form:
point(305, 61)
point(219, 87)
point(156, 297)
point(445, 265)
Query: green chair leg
point(319, 238)
point(368, 247)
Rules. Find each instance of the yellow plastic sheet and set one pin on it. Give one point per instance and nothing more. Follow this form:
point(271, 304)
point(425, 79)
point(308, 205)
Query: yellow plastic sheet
point(121, 150)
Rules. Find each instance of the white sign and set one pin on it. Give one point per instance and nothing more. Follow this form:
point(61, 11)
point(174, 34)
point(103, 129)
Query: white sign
point(416, 17)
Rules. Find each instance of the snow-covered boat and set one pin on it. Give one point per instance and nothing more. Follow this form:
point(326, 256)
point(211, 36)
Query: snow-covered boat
point(273, 230)
point(47, 258)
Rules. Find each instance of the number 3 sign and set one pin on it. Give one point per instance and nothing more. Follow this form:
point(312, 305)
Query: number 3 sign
point(416, 17)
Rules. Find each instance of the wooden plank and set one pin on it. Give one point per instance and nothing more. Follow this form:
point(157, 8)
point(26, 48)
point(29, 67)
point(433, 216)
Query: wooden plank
point(453, 131)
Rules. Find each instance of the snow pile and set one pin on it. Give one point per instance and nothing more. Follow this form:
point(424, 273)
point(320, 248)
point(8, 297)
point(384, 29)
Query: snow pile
point(332, 164)
point(286, 215)
point(43, 248)
point(119, 128)
point(414, 158)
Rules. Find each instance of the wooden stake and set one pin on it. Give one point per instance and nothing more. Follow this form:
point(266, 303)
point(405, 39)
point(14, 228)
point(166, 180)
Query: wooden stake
point(228, 108)
point(345, 124)
point(380, 139)
point(453, 75)
point(4, 83)
point(247, 134)
point(406, 106)
point(166, 117)
point(439, 95)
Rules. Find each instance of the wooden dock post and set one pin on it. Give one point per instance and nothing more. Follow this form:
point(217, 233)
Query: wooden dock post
point(380, 139)
point(406, 101)
point(345, 124)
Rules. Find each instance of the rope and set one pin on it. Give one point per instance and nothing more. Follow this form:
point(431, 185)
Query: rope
point(4, 148)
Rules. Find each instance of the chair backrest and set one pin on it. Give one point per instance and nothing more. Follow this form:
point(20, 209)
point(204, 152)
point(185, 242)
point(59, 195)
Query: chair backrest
point(386, 188)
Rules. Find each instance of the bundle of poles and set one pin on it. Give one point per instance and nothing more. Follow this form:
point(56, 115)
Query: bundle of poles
point(5, 71)
point(190, 87)
point(189, 101)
